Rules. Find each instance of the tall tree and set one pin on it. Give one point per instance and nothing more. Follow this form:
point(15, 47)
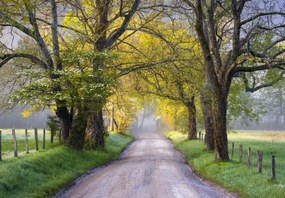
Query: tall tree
point(50, 61)
point(96, 25)
point(103, 27)
point(178, 80)
point(225, 30)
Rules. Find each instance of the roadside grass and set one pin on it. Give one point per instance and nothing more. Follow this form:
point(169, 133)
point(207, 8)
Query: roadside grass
point(44, 173)
point(234, 175)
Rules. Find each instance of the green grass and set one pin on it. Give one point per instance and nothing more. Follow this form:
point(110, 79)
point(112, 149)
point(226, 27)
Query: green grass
point(43, 173)
point(8, 143)
point(236, 176)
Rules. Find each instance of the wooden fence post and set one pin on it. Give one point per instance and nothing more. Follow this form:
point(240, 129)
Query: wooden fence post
point(37, 139)
point(249, 160)
point(240, 152)
point(273, 167)
point(233, 149)
point(259, 161)
point(0, 145)
point(26, 141)
point(199, 135)
point(15, 143)
point(44, 138)
point(202, 139)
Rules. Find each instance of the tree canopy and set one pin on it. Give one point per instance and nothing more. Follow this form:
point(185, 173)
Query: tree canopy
point(93, 59)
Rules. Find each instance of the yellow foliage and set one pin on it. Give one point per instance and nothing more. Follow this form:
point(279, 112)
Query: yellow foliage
point(26, 113)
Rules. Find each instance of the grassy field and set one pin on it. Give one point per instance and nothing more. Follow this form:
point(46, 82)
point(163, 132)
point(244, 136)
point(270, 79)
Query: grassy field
point(234, 175)
point(43, 173)
point(8, 143)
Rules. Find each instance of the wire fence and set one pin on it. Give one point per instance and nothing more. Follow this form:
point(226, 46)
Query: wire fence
point(268, 160)
point(264, 157)
point(20, 142)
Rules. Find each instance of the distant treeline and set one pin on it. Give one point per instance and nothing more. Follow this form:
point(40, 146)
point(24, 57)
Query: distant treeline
point(264, 124)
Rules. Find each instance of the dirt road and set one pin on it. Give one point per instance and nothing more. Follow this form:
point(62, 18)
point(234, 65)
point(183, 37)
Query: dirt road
point(149, 168)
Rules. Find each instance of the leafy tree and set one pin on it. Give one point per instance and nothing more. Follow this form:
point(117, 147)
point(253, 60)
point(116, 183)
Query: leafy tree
point(175, 80)
point(50, 59)
point(78, 92)
point(122, 107)
point(226, 30)
point(242, 105)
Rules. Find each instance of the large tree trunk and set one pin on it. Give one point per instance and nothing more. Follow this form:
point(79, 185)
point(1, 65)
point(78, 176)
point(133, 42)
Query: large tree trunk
point(220, 126)
point(77, 134)
point(192, 125)
point(95, 131)
point(100, 130)
point(206, 103)
point(65, 122)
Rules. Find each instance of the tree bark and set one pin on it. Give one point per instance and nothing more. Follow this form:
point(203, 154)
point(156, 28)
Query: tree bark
point(95, 126)
point(220, 126)
point(206, 103)
point(192, 124)
point(65, 122)
point(217, 75)
point(77, 134)
point(100, 130)
point(95, 131)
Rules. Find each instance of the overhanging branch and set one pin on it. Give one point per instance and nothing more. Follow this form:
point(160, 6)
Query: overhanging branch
point(254, 88)
point(7, 57)
point(113, 37)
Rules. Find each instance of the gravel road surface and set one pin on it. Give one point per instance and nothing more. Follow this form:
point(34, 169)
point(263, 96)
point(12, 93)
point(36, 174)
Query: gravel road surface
point(149, 168)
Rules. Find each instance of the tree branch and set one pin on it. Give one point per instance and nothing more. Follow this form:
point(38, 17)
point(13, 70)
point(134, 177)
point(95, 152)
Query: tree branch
point(65, 27)
point(54, 26)
point(256, 88)
point(279, 65)
point(113, 37)
point(128, 70)
point(7, 57)
point(37, 34)
point(260, 15)
point(13, 23)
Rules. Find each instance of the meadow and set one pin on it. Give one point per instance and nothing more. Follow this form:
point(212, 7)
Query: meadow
point(8, 143)
point(234, 175)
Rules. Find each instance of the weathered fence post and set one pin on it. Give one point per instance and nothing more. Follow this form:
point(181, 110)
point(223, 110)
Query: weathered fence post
point(44, 138)
point(37, 139)
point(199, 135)
point(0, 145)
point(249, 160)
point(26, 141)
point(273, 167)
point(259, 161)
point(233, 149)
point(15, 143)
point(240, 152)
point(202, 139)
